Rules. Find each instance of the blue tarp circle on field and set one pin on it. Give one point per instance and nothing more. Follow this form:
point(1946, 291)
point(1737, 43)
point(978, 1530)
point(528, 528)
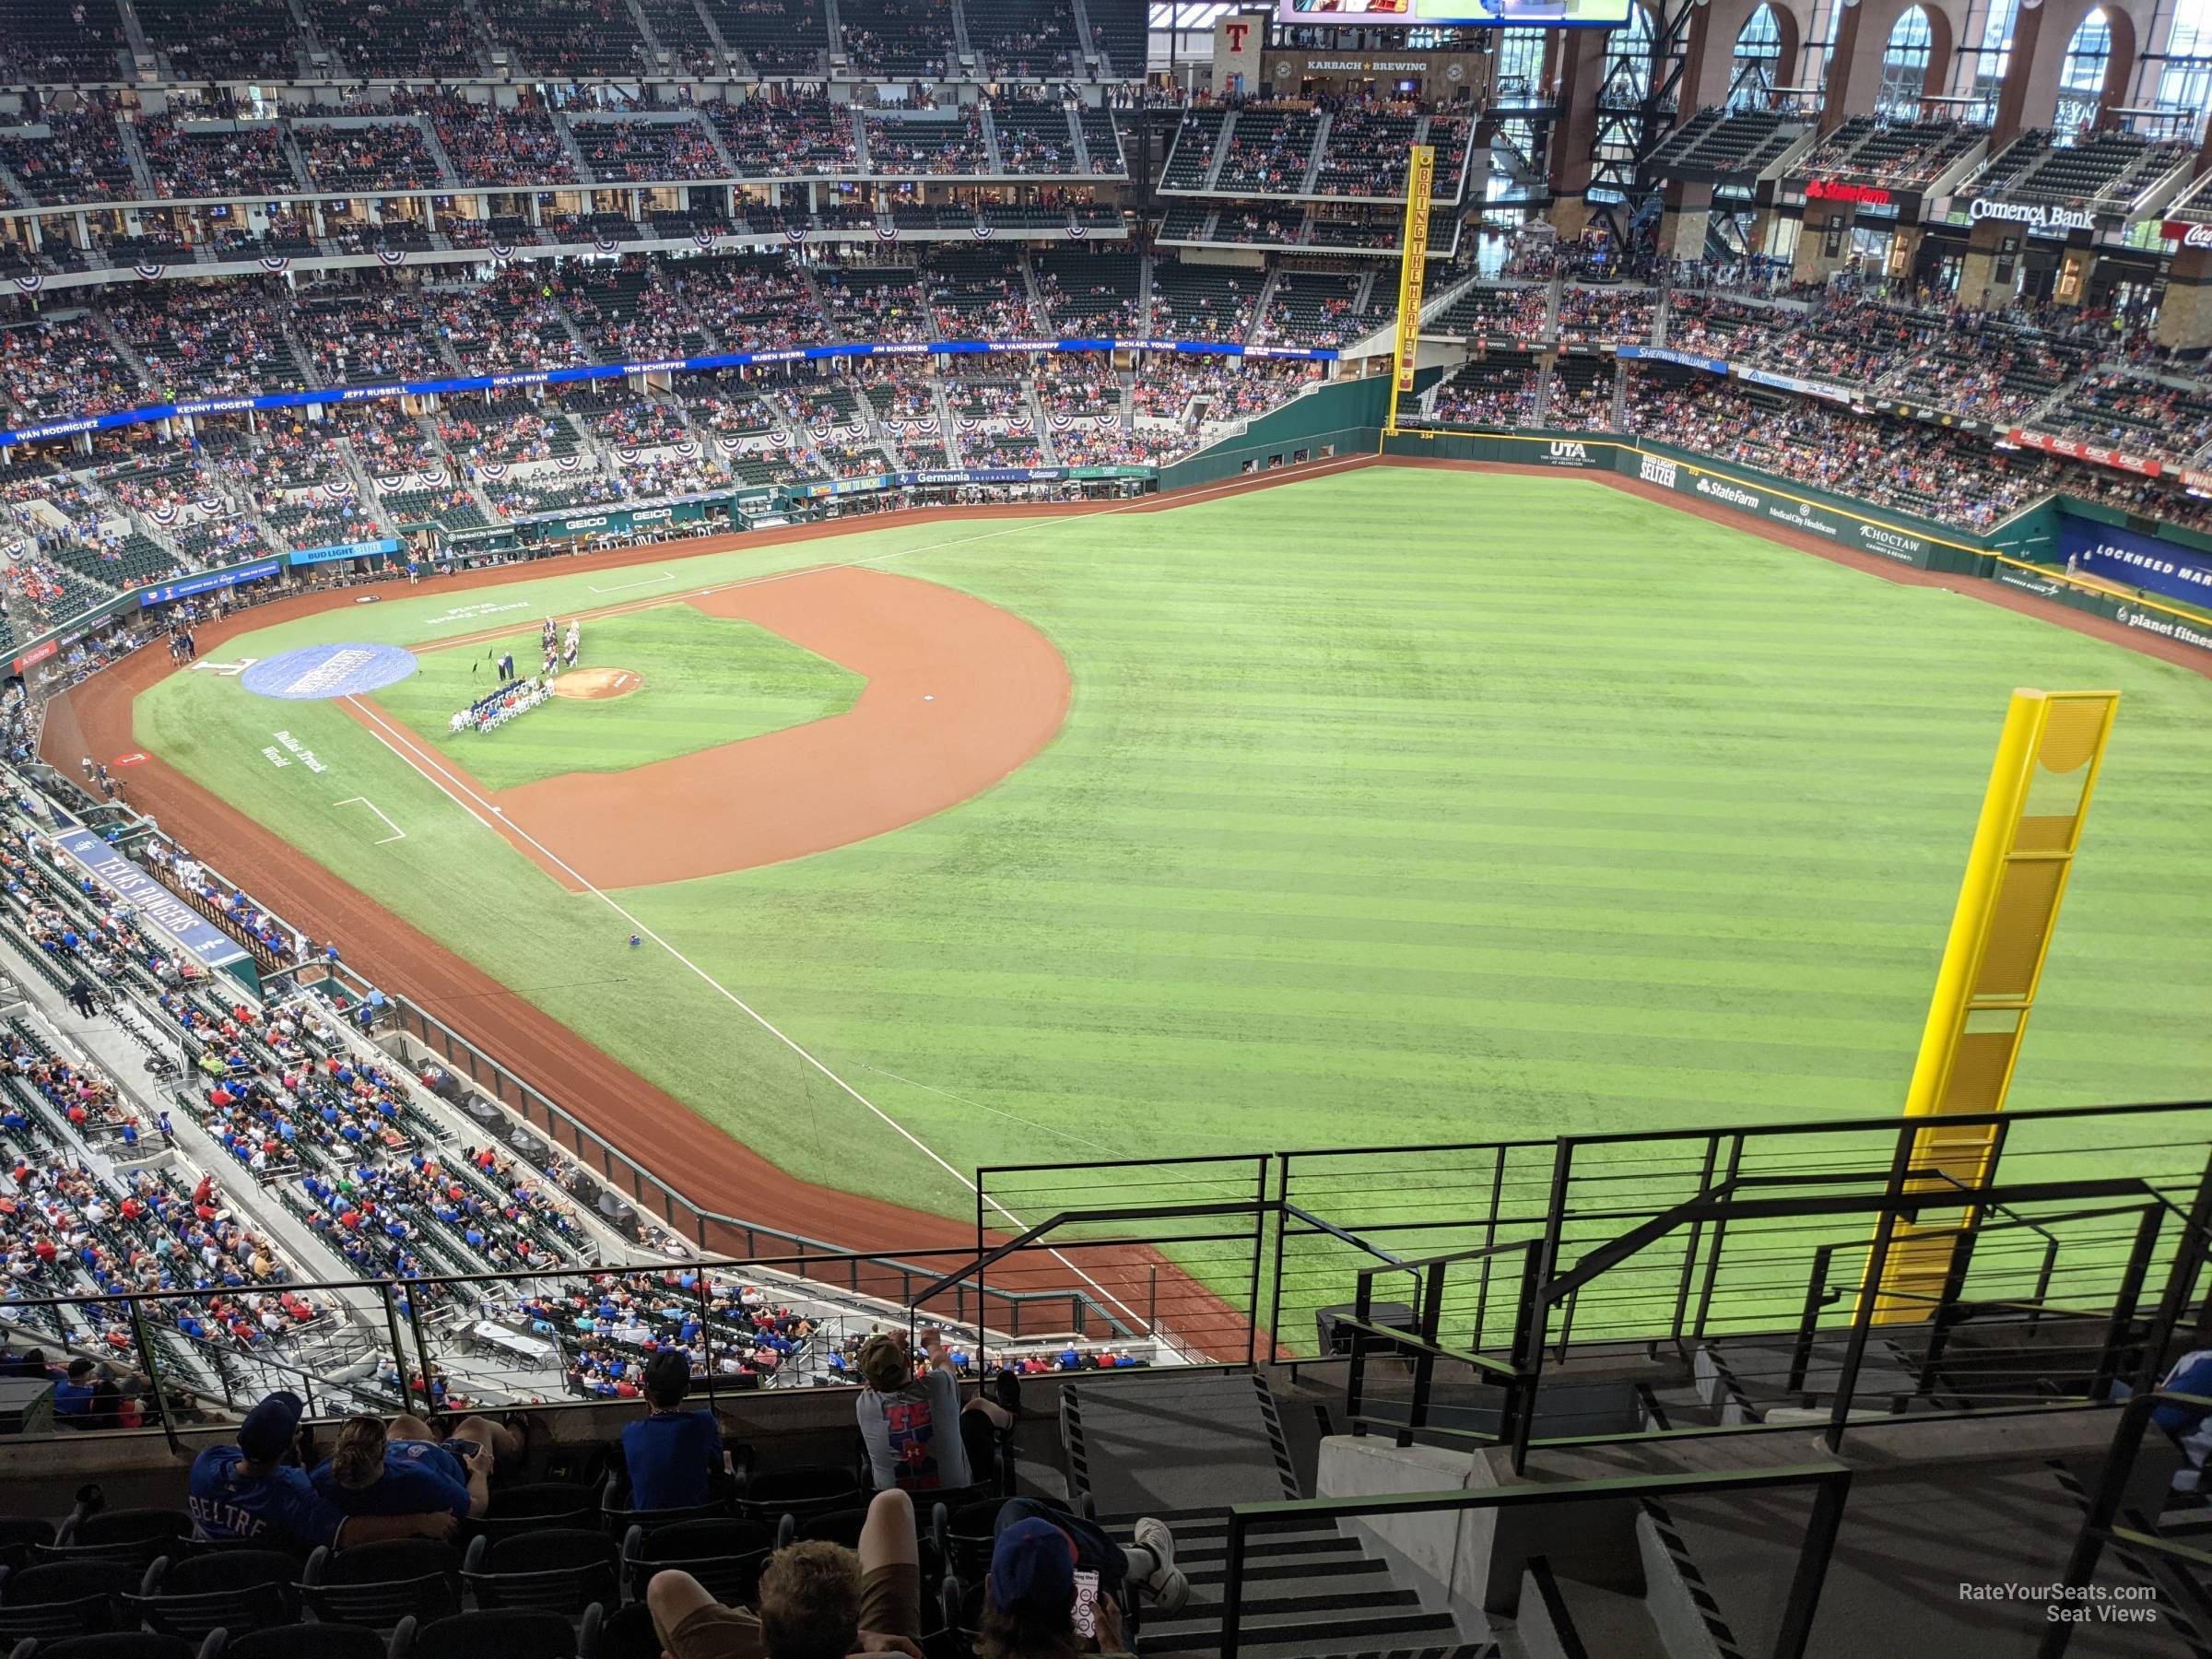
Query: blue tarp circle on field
point(329, 671)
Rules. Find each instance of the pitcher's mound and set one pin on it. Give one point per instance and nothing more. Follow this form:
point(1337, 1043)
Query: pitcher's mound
point(593, 684)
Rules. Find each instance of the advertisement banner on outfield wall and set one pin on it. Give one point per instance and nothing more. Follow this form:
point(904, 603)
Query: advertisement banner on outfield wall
point(2134, 560)
point(361, 549)
point(1569, 452)
point(1797, 510)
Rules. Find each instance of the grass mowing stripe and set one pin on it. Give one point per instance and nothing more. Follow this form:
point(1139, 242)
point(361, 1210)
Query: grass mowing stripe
point(1391, 806)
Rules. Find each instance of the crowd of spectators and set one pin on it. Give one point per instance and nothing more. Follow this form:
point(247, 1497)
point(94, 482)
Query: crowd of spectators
point(380, 155)
point(217, 157)
point(490, 143)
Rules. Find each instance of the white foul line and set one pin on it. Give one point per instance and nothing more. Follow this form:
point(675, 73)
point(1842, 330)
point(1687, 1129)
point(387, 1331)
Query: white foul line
point(625, 586)
point(397, 833)
point(408, 748)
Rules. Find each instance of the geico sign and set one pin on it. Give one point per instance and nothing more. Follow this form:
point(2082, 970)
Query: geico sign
point(2036, 217)
point(2189, 235)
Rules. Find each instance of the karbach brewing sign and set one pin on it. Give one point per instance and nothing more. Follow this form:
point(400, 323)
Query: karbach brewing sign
point(1831, 190)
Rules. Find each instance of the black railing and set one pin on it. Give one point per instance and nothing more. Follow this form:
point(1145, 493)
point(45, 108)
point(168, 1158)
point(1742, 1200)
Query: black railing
point(2101, 1525)
point(1830, 1484)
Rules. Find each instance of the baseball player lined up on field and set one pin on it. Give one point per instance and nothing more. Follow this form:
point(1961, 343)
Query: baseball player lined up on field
point(572, 647)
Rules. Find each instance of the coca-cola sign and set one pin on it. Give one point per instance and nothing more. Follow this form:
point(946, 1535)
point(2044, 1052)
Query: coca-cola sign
point(2187, 232)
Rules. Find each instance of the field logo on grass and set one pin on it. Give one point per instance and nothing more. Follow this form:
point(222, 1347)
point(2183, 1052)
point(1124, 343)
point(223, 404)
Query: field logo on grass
point(318, 670)
point(1656, 470)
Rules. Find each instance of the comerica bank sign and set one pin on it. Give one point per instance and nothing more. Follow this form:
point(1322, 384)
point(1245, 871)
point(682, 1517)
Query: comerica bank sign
point(2036, 216)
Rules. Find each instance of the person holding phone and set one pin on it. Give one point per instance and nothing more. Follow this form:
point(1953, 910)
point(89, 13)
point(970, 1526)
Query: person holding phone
point(1057, 1582)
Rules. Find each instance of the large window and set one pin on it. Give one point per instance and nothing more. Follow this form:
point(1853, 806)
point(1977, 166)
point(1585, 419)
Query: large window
point(1984, 52)
point(2183, 80)
point(1757, 65)
point(2082, 76)
point(1905, 66)
point(1627, 78)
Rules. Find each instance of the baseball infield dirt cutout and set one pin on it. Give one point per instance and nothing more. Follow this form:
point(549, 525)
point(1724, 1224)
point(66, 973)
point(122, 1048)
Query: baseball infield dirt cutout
point(596, 684)
point(960, 693)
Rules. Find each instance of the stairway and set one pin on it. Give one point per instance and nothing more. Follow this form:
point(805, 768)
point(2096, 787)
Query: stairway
point(1306, 1593)
point(1909, 1540)
point(1183, 1447)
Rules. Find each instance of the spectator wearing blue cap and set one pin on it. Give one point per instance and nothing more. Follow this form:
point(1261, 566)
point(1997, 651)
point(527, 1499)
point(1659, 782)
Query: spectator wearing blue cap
point(1029, 1605)
point(247, 1490)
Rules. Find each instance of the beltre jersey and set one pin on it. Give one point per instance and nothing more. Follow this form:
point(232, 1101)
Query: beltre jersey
point(282, 1507)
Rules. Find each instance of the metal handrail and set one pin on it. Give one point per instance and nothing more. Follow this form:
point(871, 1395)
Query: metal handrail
point(2098, 1522)
point(1831, 1483)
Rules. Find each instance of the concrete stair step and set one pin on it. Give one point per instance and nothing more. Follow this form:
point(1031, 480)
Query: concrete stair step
point(1353, 1572)
point(1565, 1619)
point(1297, 1636)
point(1265, 1601)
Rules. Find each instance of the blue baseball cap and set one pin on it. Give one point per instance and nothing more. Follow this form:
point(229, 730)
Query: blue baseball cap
point(1033, 1565)
point(266, 1434)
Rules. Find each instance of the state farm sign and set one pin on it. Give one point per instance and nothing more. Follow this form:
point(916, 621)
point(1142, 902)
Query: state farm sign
point(1831, 190)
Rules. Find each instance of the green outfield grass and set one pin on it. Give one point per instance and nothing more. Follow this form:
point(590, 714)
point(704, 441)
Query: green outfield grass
point(1395, 807)
point(708, 681)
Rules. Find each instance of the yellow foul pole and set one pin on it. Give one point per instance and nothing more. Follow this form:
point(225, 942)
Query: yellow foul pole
point(2015, 876)
point(1420, 175)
